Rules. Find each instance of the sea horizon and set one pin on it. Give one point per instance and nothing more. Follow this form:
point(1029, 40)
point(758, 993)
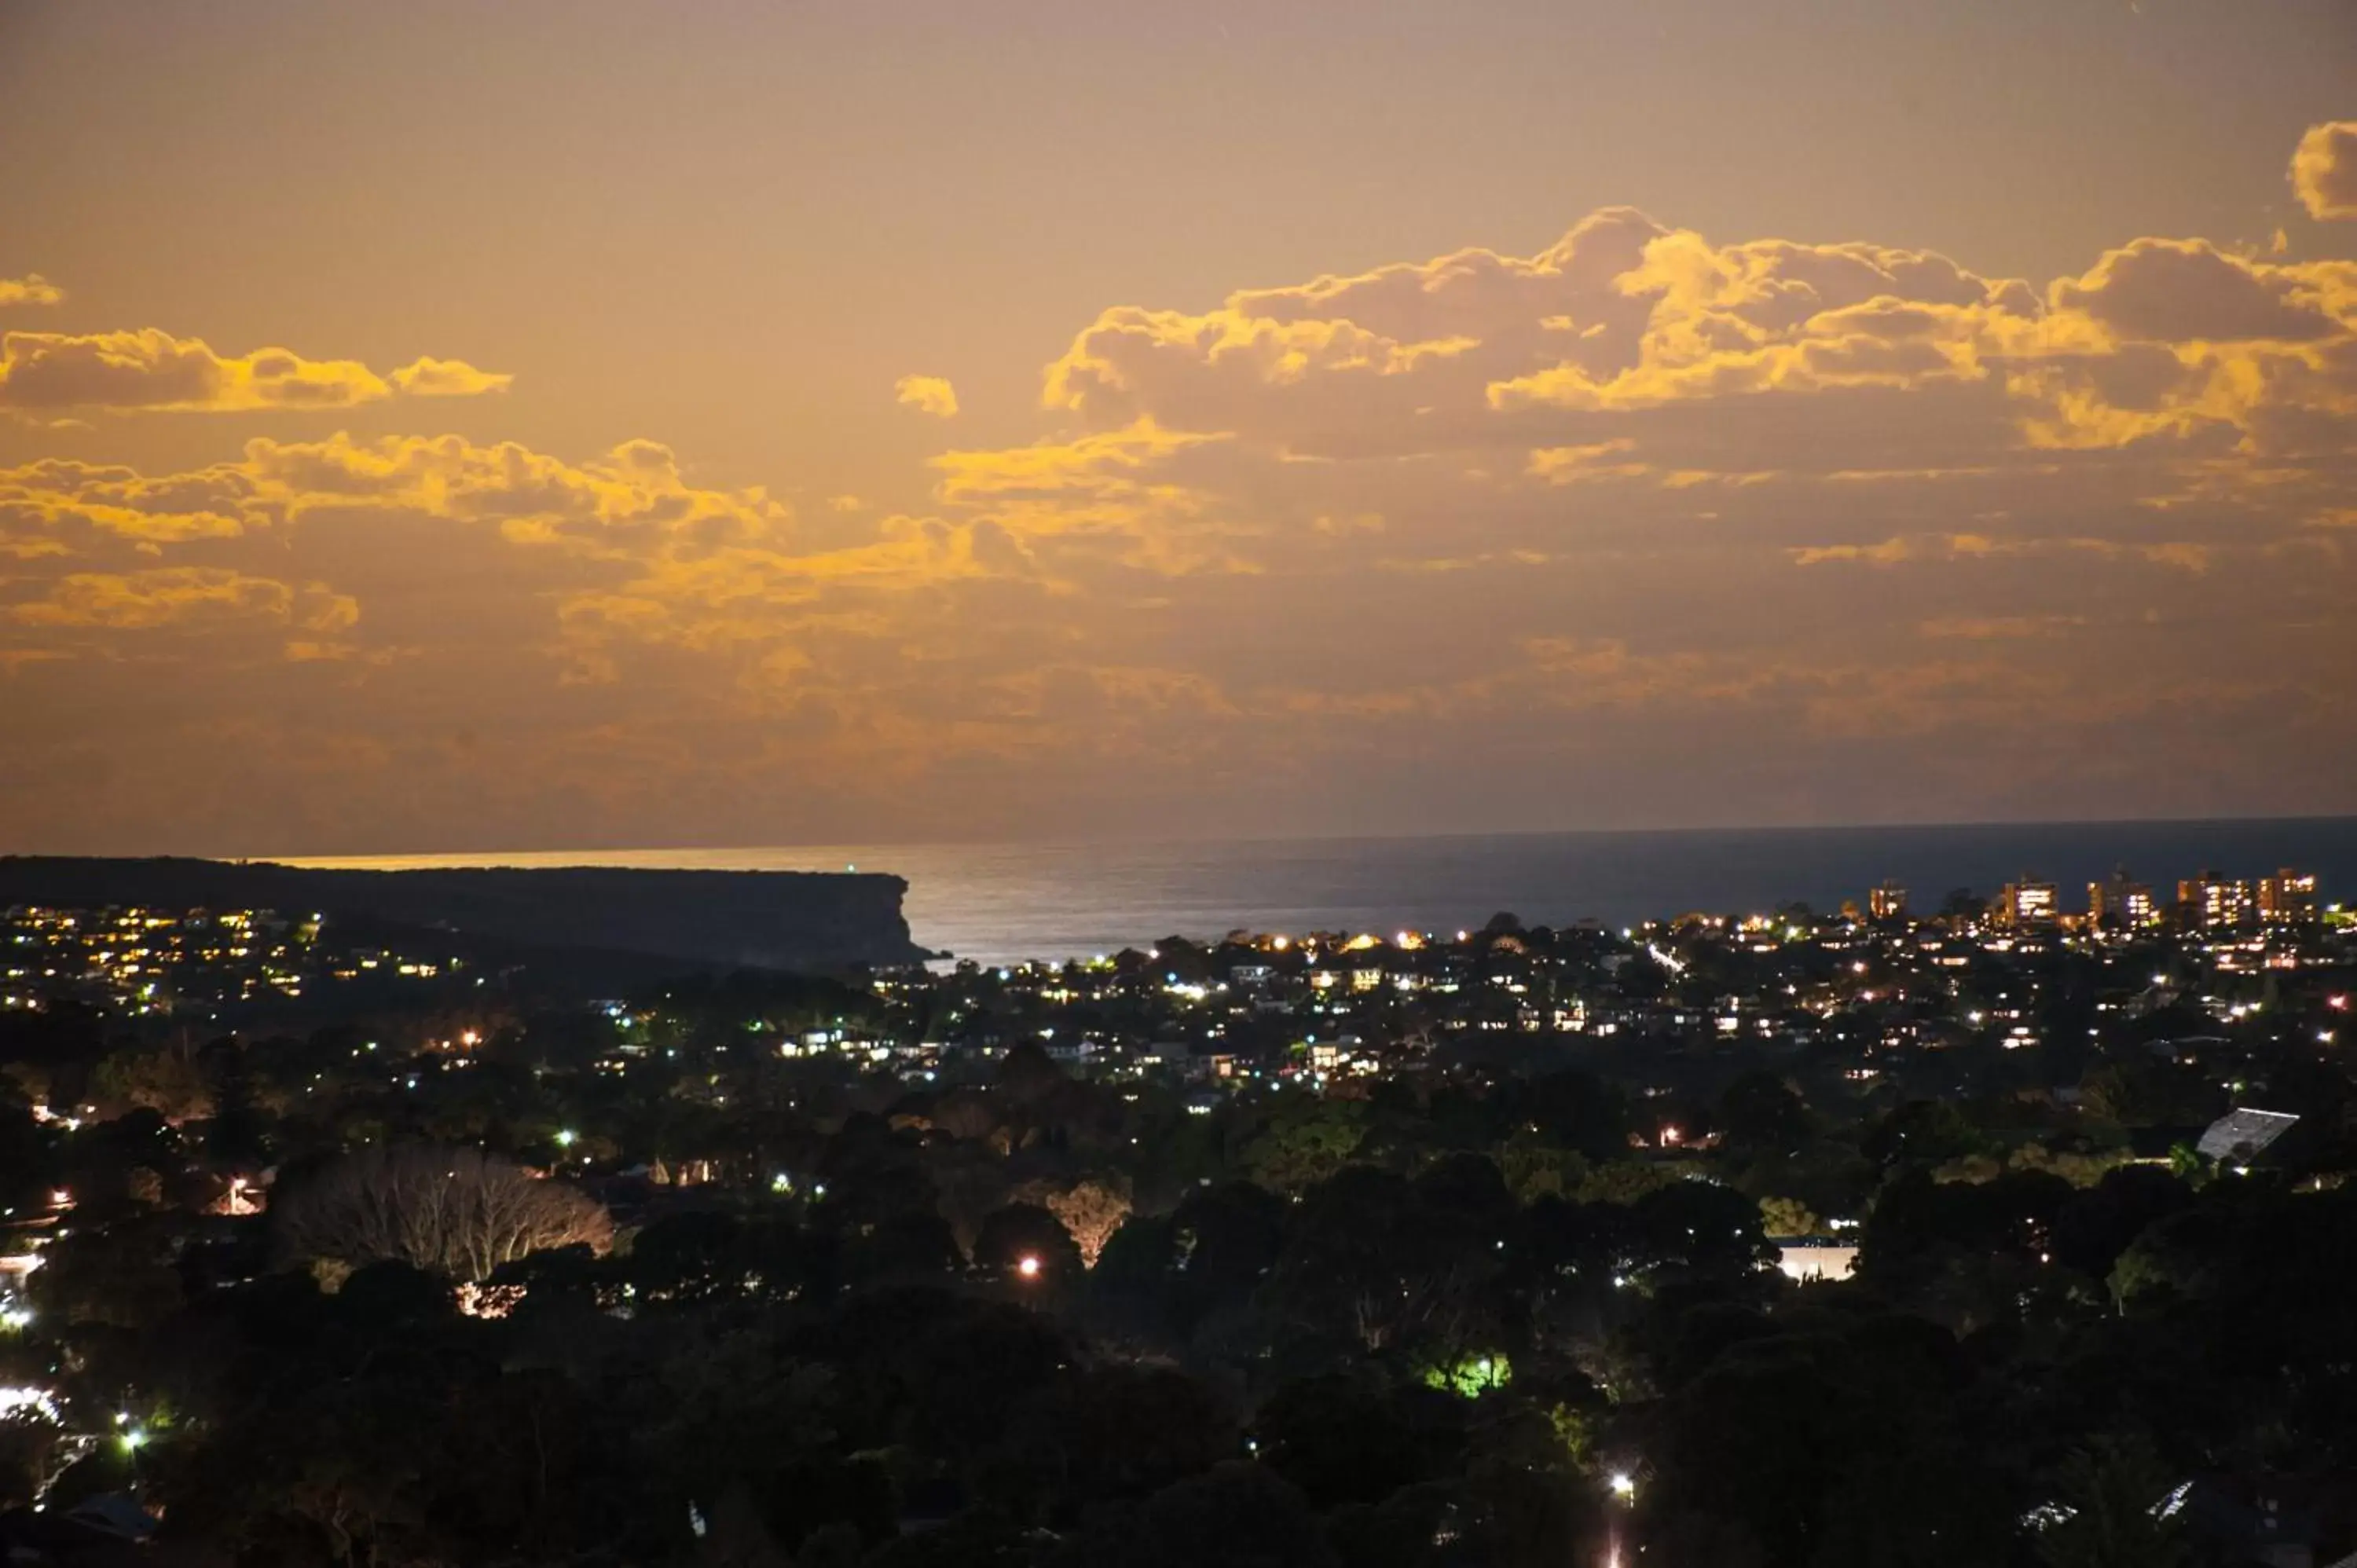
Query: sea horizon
point(1008, 902)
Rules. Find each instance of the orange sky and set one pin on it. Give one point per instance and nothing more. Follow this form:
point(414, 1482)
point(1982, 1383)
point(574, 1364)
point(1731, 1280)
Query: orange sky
point(585, 424)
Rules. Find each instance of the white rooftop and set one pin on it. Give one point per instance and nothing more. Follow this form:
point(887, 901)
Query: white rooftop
point(2248, 1131)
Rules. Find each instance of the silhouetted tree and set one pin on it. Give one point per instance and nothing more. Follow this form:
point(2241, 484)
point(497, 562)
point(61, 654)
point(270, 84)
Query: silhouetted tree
point(457, 1211)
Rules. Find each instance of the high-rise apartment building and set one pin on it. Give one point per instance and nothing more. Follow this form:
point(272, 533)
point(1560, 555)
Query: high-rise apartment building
point(2119, 902)
point(2026, 905)
point(2287, 898)
point(2214, 902)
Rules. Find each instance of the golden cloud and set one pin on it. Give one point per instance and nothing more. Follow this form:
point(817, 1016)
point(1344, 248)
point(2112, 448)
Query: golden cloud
point(446, 378)
point(2185, 291)
point(618, 504)
point(43, 500)
point(181, 595)
point(2324, 170)
point(612, 553)
point(927, 394)
point(152, 371)
point(1618, 352)
point(30, 289)
point(1887, 553)
point(1771, 316)
point(1105, 486)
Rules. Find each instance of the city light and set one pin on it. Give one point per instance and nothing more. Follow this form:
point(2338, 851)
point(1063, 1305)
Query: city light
point(1624, 1485)
point(565, 1139)
point(1028, 1265)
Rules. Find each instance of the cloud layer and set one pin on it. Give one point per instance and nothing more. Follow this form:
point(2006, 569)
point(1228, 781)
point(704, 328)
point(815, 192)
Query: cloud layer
point(1647, 525)
point(152, 370)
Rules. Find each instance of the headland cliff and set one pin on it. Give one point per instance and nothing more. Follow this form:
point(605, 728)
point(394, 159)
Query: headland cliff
point(762, 919)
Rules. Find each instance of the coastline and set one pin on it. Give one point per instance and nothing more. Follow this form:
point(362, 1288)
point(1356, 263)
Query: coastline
point(1007, 902)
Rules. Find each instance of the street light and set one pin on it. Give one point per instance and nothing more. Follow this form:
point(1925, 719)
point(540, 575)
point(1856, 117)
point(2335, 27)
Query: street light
point(1624, 1491)
point(565, 1139)
point(1028, 1265)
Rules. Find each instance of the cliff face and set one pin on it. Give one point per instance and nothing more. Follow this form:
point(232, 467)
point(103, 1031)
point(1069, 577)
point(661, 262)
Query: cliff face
point(770, 919)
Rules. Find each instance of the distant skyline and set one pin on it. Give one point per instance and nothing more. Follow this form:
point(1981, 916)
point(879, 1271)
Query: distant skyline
point(449, 429)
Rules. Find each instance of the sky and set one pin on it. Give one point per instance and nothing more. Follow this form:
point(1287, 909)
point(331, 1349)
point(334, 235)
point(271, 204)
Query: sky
point(450, 427)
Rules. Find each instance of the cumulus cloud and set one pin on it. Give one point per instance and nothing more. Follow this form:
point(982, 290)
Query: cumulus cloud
point(1620, 314)
point(927, 394)
point(151, 369)
point(30, 289)
point(2324, 170)
point(446, 378)
point(2182, 291)
point(625, 501)
point(43, 505)
point(177, 596)
point(1675, 355)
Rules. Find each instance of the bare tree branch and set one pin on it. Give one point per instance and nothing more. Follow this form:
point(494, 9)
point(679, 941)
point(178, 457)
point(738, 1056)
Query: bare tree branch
point(455, 1211)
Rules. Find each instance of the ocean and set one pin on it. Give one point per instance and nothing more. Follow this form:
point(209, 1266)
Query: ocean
point(1004, 903)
